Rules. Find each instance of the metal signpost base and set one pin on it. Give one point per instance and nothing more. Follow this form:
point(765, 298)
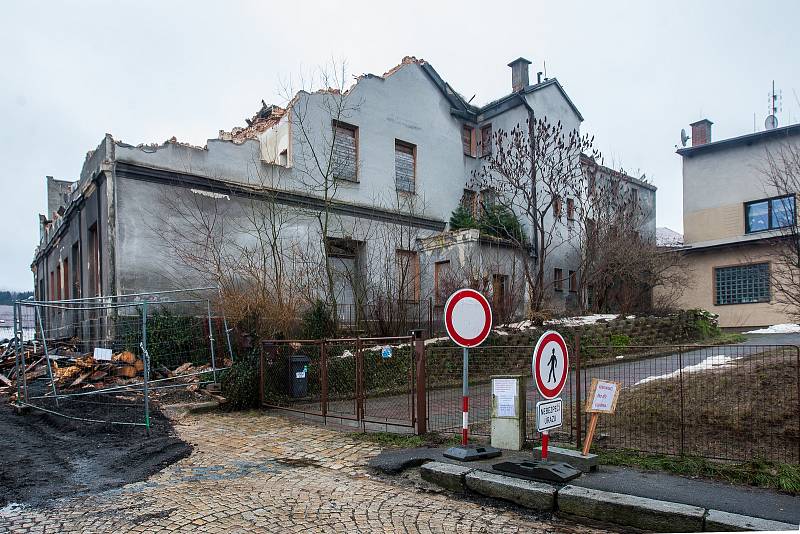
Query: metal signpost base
point(539, 470)
point(470, 453)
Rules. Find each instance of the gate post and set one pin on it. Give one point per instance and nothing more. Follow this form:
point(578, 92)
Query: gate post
point(421, 415)
point(578, 400)
point(266, 346)
point(323, 357)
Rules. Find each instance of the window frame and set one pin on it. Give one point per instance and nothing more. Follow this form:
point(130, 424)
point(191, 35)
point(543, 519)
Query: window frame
point(769, 202)
point(352, 127)
point(405, 145)
point(715, 283)
point(572, 281)
point(558, 279)
point(570, 209)
point(414, 262)
point(486, 149)
point(439, 298)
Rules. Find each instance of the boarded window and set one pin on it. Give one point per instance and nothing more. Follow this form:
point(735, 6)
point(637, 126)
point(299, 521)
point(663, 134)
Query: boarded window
point(557, 207)
point(486, 140)
point(66, 283)
point(573, 281)
point(635, 197)
point(345, 151)
point(441, 273)
point(558, 280)
point(408, 275)
point(468, 201)
point(499, 289)
point(405, 163)
point(468, 140)
point(571, 209)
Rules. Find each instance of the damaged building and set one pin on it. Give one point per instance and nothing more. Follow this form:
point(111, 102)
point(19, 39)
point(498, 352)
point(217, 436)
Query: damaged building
point(378, 169)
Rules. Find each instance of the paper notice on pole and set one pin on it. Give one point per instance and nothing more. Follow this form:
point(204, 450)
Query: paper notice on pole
point(506, 407)
point(102, 354)
point(504, 387)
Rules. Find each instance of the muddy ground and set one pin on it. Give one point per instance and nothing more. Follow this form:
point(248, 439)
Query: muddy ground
point(43, 457)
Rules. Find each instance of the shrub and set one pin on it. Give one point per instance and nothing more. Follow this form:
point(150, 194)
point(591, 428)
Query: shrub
point(318, 321)
point(703, 324)
point(499, 221)
point(240, 383)
point(462, 219)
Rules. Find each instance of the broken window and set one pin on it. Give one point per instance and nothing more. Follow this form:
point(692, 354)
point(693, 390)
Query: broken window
point(557, 207)
point(405, 163)
point(558, 280)
point(499, 290)
point(570, 209)
point(408, 275)
point(486, 140)
point(94, 261)
point(345, 151)
point(468, 201)
point(441, 273)
point(573, 281)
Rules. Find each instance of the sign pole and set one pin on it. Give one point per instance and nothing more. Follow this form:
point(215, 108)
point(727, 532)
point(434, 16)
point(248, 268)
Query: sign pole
point(465, 399)
point(545, 441)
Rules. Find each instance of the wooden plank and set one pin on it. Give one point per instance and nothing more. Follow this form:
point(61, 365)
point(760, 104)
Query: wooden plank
point(5, 380)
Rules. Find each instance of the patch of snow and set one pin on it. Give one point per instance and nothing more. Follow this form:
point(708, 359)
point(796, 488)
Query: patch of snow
point(435, 340)
point(620, 357)
point(787, 328)
point(709, 363)
point(210, 194)
point(501, 333)
point(582, 320)
point(666, 237)
point(346, 354)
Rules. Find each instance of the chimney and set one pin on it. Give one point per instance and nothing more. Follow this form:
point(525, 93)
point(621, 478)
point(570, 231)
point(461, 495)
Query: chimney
point(701, 132)
point(519, 74)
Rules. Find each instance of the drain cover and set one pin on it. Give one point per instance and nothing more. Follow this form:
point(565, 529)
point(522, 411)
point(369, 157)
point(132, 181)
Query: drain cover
point(539, 470)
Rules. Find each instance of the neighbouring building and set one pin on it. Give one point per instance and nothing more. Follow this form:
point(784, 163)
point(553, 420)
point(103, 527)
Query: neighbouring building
point(731, 219)
point(402, 151)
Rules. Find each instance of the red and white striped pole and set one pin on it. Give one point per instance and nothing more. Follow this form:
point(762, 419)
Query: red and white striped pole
point(545, 441)
point(465, 399)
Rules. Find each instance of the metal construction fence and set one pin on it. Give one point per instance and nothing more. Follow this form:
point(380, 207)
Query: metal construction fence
point(106, 359)
point(728, 402)
point(355, 381)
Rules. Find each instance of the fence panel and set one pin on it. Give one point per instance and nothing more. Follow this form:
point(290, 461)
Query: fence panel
point(104, 359)
point(735, 402)
point(366, 380)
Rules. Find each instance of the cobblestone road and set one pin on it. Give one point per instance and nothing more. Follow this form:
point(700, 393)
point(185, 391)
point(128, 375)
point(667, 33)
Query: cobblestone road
point(258, 473)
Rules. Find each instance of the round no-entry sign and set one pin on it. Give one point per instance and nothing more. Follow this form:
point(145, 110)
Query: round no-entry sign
point(467, 317)
point(550, 364)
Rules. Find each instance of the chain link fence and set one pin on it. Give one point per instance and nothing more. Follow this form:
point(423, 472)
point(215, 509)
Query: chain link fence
point(107, 359)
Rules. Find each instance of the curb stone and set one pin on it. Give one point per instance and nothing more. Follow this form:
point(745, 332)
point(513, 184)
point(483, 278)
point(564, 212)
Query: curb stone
point(639, 512)
point(448, 476)
point(717, 520)
point(528, 493)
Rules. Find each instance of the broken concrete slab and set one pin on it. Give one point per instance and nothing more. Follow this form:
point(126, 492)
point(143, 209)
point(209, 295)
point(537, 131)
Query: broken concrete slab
point(719, 521)
point(448, 476)
point(588, 463)
point(639, 512)
point(528, 493)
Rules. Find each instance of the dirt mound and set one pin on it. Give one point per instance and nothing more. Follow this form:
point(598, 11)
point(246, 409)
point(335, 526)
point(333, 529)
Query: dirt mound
point(45, 456)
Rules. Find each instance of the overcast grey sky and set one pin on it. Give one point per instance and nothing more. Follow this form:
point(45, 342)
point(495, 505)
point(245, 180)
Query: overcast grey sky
point(146, 71)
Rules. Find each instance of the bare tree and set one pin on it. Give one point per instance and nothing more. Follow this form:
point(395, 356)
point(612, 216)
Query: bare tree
point(325, 156)
point(532, 169)
point(781, 172)
point(619, 261)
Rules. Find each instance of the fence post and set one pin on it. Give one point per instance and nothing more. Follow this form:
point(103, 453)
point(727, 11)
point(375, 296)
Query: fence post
point(211, 341)
point(422, 398)
point(17, 362)
point(271, 348)
point(578, 422)
point(359, 382)
point(323, 358)
point(47, 355)
point(146, 357)
point(683, 413)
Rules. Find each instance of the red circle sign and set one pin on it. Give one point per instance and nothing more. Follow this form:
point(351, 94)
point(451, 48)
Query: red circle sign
point(550, 364)
point(467, 317)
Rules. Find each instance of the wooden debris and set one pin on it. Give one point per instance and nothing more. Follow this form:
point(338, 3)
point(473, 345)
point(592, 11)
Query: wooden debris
point(183, 368)
point(124, 357)
point(128, 371)
point(98, 375)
